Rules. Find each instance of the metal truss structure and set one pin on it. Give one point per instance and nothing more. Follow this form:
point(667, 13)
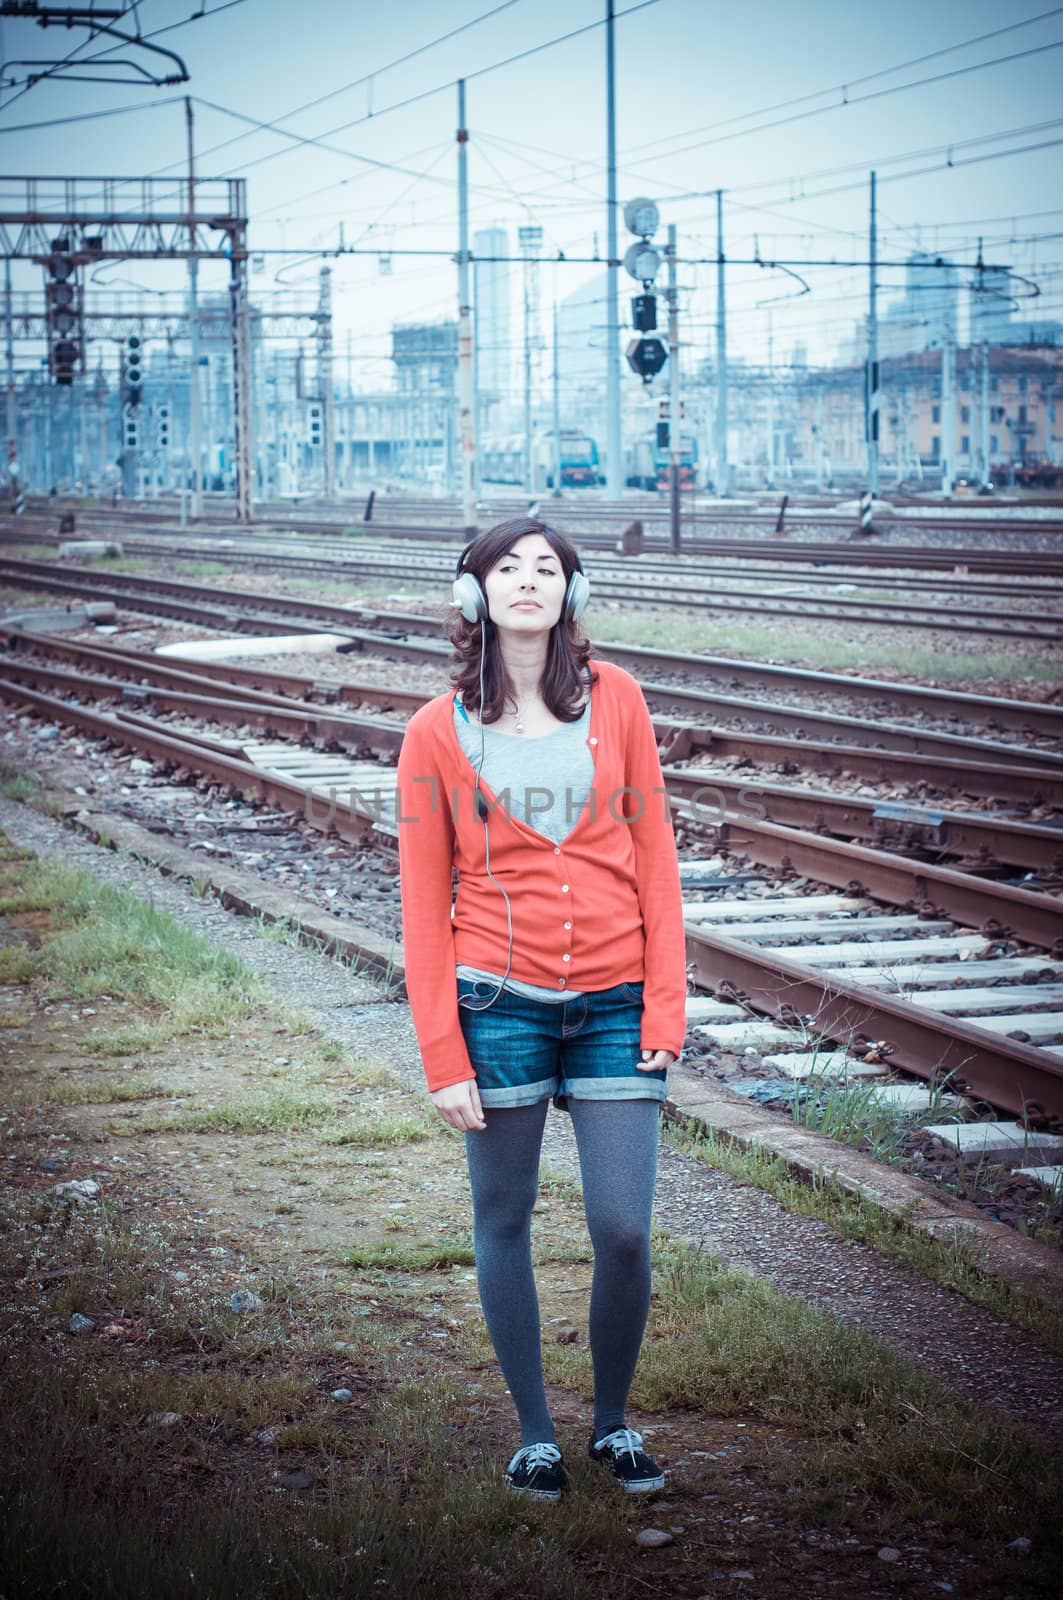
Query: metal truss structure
point(29, 321)
point(145, 219)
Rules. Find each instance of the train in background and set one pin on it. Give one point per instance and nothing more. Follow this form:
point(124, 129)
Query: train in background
point(502, 460)
point(648, 465)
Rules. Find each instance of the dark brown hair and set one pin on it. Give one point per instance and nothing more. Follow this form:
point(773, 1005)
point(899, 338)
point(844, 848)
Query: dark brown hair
point(563, 681)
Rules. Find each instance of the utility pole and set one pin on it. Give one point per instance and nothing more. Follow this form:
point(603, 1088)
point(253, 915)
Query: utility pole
point(985, 476)
point(769, 411)
point(985, 466)
point(614, 470)
point(872, 403)
point(242, 377)
point(466, 382)
point(675, 431)
point(531, 238)
point(948, 407)
point(723, 471)
point(17, 504)
point(557, 412)
point(324, 380)
point(195, 399)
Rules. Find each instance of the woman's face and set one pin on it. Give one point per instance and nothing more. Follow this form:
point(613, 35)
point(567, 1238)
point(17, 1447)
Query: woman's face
point(525, 588)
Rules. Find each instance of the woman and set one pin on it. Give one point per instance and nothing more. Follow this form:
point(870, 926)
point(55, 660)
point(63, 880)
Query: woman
point(560, 970)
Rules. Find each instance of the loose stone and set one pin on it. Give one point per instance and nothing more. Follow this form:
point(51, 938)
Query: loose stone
point(653, 1538)
point(244, 1300)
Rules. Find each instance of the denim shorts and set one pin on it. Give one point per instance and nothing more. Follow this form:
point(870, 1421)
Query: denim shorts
point(585, 1047)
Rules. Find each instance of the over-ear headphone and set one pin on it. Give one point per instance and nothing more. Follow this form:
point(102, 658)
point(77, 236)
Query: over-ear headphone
point(468, 595)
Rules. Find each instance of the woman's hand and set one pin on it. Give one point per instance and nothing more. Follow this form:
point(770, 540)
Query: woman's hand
point(655, 1061)
point(459, 1105)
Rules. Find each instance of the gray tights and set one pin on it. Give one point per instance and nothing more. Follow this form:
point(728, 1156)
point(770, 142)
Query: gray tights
point(617, 1141)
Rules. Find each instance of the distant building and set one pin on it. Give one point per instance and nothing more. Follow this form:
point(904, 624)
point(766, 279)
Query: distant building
point(928, 312)
point(1024, 423)
point(425, 356)
point(991, 308)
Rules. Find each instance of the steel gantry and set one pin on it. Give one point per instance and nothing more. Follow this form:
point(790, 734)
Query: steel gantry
point(138, 219)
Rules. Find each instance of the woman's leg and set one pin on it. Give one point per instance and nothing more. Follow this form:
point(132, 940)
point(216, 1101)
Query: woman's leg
point(504, 1171)
point(617, 1142)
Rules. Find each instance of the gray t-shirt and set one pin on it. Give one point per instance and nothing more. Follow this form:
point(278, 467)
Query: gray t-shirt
point(547, 780)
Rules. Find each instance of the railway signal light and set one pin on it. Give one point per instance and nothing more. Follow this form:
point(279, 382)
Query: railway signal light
point(130, 427)
point(132, 373)
point(63, 312)
point(642, 261)
point(646, 356)
point(644, 312)
point(162, 427)
point(314, 419)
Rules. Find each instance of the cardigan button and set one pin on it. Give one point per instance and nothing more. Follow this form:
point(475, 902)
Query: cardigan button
point(592, 741)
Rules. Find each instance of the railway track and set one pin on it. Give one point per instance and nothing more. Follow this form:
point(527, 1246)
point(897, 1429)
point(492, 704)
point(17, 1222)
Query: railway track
point(758, 544)
point(698, 590)
point(652, 509)
point(414, 636)
point(240, 546)
point(905, 925)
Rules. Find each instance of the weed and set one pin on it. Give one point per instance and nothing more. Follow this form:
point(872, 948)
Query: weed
point(408, 1257)
point(377, 1131)
point(260, 1113)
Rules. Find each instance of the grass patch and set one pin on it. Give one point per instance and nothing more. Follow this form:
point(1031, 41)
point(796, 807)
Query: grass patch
point(27, 788)
point(867, 1421)
point(855, 1114)
point(825, 649)
point(91, 1092)
point(408, 1257)
point(103, 1496)
point(104, 940)
point(377, 1130)
point(278, 1109)
point(951, 1262)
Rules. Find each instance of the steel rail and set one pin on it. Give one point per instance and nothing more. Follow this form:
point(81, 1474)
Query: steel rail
point(1042, 627)
point(1021, 780)
point(1017, 1077)
point(1029, 716)
point(1035, 918)
point(336, 550)
point(208, 758)
point(1038, 563)
point(648, 508)
point(989, 839)
point(981, 841)
point(296, 722)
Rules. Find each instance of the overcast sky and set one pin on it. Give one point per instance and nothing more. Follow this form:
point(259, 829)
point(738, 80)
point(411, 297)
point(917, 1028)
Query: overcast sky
point(706, 98)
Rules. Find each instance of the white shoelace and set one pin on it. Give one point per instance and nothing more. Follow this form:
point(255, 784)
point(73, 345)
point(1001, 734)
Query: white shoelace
point(619, 1440)
point(536, 1455)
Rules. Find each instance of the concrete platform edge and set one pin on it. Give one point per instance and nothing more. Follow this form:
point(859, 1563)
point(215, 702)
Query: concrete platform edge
point(1024, 1264)
point(243, 892)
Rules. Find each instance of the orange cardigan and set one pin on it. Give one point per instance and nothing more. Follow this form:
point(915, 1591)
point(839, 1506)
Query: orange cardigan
point(607, 897)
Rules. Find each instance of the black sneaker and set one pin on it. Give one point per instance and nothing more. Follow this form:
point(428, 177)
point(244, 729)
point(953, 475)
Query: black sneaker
point(537, 1470)
point(622, 1452)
